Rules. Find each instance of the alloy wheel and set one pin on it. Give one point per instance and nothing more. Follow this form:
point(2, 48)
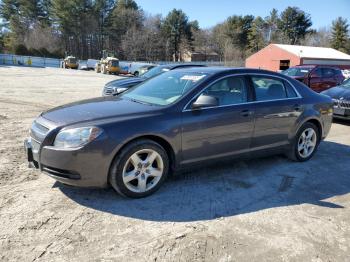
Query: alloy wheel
point(307, 142)
point(143, 170)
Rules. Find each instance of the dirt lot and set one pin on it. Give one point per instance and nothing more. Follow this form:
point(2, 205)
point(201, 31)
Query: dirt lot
point(259, 210)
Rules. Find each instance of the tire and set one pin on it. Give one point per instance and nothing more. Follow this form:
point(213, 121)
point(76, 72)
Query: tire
point(136, 73)
point(297, 150)
point(146, 178)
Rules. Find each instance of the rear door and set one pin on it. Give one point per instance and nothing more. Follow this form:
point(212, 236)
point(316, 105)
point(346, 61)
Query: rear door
point(316, 81)
point(222, 130)
point(277, 106)
point(329, 77)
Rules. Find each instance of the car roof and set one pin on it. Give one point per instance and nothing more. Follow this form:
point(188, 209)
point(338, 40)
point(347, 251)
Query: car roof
point(303, 66)
point(229, 70)
point(314, 66)
point(182, 65)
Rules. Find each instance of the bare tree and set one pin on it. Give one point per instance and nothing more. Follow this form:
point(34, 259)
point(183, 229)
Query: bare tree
point(42, 37)
point(320, 37)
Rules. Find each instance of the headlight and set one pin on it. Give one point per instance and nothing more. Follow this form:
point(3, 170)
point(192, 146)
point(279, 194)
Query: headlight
point(76, 137)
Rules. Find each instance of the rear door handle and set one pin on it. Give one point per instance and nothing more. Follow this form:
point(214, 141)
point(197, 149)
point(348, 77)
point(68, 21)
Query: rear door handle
point(246, 112)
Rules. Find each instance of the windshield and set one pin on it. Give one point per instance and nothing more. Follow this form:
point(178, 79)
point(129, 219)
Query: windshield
point(346, 83)
point(296, 71)
point(115, 63)
point(155, 71)
point(165, 88)
point(72, 60)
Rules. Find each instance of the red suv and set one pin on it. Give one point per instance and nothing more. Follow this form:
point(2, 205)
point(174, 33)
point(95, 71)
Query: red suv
point(318, 78)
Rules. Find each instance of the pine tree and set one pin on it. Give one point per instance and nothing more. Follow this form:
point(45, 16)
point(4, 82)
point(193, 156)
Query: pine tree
point(294, 24)
point(20, 16)
point(256, 35)
point(237, 29)
point(340, 39)
point(125, 15)
point(177, 30)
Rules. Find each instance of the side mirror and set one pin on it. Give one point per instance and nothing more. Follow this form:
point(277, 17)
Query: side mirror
point(205, 101)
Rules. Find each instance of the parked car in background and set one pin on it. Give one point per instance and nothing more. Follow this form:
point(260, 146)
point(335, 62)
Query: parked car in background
point(83, 65)
point(346, 73)
point(341, 99)
point(119, 86)
point(124, 67)
point(179, 118)
point(134, 67)
point(318, 78)
point(91, 64)
point(144, 69)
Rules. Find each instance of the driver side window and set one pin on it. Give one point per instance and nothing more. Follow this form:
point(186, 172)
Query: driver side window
point(228, 91)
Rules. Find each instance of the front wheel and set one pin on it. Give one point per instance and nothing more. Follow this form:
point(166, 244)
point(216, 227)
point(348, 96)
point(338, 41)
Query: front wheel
point(139, 169)
point(305, 143)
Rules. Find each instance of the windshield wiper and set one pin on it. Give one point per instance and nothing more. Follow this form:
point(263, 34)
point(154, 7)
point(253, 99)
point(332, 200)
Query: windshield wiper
point(140, 102)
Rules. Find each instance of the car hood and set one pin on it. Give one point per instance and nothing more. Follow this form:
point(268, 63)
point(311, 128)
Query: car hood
point(96, 109)
point(125, 82)
point(338, 92)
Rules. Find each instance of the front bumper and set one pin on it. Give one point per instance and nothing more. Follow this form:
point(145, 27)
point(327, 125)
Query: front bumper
point(29, 154)
point(72, 167)
point(73, 66)
point(114, 69)
point(341, 113)
point(341, 109)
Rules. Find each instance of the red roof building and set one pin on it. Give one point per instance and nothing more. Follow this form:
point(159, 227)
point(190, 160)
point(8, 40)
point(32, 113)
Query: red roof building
point(277, 57)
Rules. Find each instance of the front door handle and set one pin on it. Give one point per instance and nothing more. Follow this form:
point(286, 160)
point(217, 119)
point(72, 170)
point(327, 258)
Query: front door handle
point(246, 112)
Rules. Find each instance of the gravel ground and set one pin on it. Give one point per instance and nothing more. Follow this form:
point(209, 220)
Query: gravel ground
point(268, 209)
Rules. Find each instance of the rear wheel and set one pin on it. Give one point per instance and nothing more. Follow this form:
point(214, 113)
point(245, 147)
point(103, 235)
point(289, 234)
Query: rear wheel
point(139, 169)
point(305, 143)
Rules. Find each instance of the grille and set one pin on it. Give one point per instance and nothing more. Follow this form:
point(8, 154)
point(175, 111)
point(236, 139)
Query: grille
point(38, 131)
point(341, 103)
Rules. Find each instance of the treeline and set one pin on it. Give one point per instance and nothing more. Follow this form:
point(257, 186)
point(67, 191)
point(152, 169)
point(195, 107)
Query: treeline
point(86, 27)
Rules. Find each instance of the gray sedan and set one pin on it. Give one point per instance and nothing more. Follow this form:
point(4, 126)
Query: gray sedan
point(180, 118)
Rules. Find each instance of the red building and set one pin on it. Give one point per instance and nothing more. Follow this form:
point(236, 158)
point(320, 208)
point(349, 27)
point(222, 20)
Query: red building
point(277, 57)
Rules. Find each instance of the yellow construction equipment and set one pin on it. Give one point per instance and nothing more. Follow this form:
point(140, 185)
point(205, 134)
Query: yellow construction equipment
point(70, 62)
point(108, 64)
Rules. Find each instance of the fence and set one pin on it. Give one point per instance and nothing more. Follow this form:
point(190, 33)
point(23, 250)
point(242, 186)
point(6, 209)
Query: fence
point(8, 59)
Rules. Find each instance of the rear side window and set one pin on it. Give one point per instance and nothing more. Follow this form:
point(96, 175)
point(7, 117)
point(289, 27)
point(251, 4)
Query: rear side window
point(337, 72)
point(268, 88)
point(290, 90)
point(328, 72)
point(318, 72)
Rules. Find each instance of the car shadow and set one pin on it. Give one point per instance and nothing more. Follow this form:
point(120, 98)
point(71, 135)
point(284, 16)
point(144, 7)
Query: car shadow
point(234, 188)
point(341, 121)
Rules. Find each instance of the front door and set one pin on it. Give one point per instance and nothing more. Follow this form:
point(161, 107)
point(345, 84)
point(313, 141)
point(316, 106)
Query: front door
point(222, 130)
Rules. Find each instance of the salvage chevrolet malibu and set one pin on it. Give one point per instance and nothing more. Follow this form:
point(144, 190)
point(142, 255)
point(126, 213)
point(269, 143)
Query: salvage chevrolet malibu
point(133, 141)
